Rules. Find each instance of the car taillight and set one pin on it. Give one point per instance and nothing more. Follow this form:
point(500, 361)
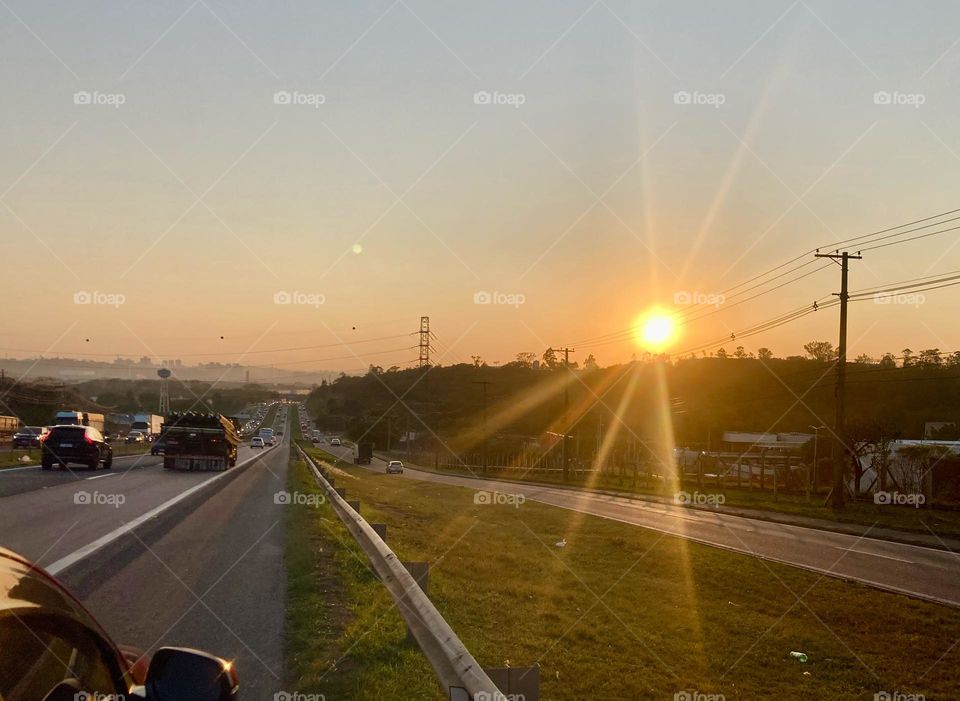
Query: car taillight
point(44, 437)
point(87, 439)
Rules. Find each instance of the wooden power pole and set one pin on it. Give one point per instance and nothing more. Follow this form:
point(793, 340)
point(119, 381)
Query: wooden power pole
point(837, 493)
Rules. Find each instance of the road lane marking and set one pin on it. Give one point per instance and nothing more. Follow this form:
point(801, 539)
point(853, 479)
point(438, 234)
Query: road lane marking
point(4, 470)
point(73, 558)
point(885, 557)
point(98, 477)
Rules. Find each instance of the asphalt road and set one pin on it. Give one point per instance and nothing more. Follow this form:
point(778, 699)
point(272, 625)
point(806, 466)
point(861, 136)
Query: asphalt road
point(925, 573)
point(16, 480)
point(207, 573)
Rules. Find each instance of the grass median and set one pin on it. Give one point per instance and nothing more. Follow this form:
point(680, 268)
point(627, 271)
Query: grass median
point(345, 639)
point(623, 612)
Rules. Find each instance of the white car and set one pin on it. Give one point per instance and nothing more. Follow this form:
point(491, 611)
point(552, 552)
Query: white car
point(256, 442)
point(394, 466)
point(335, 441)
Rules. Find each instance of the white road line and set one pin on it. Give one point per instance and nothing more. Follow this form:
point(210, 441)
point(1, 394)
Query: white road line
point(885, 557)
point(4, 470)
point(73, 558)
point(98, 477)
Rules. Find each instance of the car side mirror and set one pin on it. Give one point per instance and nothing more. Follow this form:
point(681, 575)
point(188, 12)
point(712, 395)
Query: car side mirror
point(182, 674)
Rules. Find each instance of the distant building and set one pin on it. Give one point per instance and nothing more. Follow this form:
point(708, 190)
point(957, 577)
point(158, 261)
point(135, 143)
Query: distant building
point(749, 442)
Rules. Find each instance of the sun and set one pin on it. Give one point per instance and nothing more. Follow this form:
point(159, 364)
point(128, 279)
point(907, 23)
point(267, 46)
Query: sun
point(655, 330)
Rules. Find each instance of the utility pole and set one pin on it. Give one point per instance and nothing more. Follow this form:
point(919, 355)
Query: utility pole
point(484, 384)
point(566, 409)
point(837, 494)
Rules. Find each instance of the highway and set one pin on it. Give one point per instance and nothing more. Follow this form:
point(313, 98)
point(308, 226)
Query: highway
point(925, 573)
point(204, 567)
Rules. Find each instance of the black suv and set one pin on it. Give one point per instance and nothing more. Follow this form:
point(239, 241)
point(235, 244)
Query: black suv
point(27, 437)
point(83, 444)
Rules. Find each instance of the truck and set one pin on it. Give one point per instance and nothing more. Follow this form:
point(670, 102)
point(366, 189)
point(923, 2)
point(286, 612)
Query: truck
point(79, 418)
point(199, 442)
point(147, 424)
point(8, 427)
point(364, 453)
point(267, 435)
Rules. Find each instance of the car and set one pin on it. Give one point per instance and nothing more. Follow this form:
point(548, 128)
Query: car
point(334, 441)
point(394, 467)
point(256, 442)
point(136, 436)
point(28, 437)
point(42, 626)
point(67, 444)
point(159, 447)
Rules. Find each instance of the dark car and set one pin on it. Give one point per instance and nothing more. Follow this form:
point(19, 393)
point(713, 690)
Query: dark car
point(52, 649)
point(159, 447)
point(63, 445)
point(28, 437)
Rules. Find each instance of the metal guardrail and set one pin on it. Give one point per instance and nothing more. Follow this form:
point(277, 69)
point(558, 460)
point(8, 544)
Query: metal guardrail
point(456, 669)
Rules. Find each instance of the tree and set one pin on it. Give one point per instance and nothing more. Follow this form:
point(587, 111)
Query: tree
point(953, 360)
point(590, 363)
point(907, 356)
point(740, 353)
point(478, 362)
point(722, 353)
point(888, 361)
point(550, 358)
point(822, 351)
point(765, 353)
point(863, 359)
point(526, 359)
point(930, 357)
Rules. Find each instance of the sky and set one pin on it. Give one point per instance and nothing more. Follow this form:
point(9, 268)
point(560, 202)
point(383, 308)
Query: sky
point(296, 184)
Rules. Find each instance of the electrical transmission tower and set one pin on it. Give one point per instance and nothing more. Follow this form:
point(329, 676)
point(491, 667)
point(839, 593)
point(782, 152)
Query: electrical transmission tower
point(424, 341)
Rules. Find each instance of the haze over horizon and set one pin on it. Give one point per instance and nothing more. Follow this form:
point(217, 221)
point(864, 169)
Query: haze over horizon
point(580, 162)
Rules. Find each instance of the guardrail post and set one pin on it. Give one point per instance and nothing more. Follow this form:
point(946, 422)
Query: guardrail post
point(380, 529)
point(516, 682)
point(342, 491)
point(420, 571)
